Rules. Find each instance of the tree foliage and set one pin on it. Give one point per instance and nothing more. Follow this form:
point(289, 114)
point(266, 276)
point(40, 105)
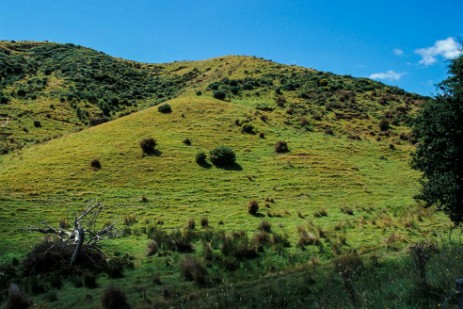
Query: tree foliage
point(439, 155)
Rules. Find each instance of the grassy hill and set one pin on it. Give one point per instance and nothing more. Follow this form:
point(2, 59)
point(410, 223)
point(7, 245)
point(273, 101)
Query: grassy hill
point(344, 191)
point(48, 90)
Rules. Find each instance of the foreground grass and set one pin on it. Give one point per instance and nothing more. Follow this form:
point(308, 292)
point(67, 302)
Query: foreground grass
point(354, 197)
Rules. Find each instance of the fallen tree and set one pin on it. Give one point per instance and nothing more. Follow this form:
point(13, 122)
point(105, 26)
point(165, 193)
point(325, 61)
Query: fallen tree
point(82, 235)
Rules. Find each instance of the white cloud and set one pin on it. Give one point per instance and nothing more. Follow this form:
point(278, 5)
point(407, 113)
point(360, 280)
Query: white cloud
point(388, 75)
point(447, 49)
point(398, 52)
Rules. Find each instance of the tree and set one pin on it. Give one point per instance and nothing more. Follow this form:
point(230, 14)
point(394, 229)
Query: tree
point(438, 128)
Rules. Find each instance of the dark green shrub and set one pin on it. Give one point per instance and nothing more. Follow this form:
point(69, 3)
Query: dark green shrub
point(114, 298)
point(201, 158)
point(95, 164)
point(384, 125)
point(248, 128)
point(222, 156)
point(37, 124)
point(219, 95)
point(281, 147)
point(253, 207)
point(187, 141)
point(165, 109)
point(148, 146)
point(4, 100)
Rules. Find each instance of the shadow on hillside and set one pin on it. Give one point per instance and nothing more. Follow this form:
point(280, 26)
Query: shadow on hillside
point(233, 167)
point(151, 153)
point(205, 165)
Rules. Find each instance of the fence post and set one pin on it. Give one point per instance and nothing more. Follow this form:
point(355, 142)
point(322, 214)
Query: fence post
point(459, 286)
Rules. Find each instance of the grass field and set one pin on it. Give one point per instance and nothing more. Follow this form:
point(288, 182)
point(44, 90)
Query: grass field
point(336, 213)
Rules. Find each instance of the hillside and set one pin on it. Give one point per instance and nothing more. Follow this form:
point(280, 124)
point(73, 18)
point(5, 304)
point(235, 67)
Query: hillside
point(343, 192)
point(48, 90)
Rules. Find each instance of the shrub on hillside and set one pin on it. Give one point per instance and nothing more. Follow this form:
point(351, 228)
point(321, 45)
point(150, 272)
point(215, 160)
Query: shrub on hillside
point(248, 128)
point(219, 95)
point(95, 164)
point(165, 109)
point(384, 125)
point(201, 158)
point(253, 207)
point(222, 156)
point(148, 146)
point(281, 147)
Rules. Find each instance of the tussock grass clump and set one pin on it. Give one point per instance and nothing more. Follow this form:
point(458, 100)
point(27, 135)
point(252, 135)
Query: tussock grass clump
point(253, 207)
point(204, 222)
point(261, 239)
point(191, 224)
point(348, 211)
point(421, 254)
point(238, 245)
point(89, 279)
point(321, 213)
point(130, 220)
point(114, 298)
point(265, 226)
point(175, 240)
point(349, 266)
point(192, 270)
point(307, 238)
point(152, 248)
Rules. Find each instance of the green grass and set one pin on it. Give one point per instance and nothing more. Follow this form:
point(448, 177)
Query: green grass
point(350, 191)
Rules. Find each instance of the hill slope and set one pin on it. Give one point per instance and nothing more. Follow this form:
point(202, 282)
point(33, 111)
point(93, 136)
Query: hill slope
point(49, 89)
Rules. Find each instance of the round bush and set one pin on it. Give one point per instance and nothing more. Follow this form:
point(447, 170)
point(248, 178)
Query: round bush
point(222, 156)
point(384, 125)
point(219, 95)
point(95, 164)
point(281, 147)
point(148, 145)
point(165, 109)
point(201, 158)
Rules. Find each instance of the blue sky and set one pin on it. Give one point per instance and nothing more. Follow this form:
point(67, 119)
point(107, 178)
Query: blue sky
point(405, 43)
